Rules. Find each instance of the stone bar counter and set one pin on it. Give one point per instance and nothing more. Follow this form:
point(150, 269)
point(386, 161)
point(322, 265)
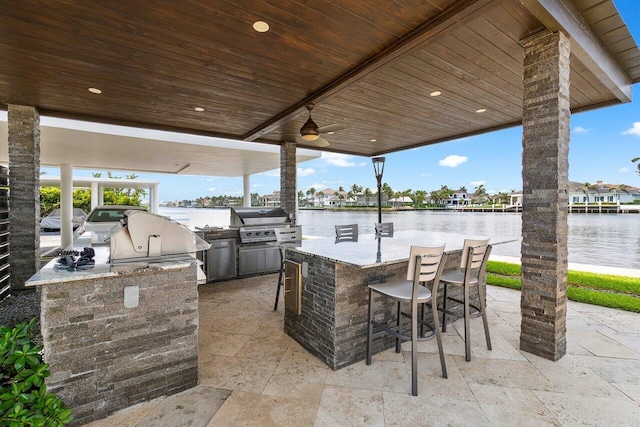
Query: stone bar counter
point(335, 275)
point(119, 334)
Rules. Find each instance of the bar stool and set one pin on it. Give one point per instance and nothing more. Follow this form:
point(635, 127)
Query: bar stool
point(425, 265)
point(285, 236)
point(347, 232)
point(472, 272)
point(384, 228)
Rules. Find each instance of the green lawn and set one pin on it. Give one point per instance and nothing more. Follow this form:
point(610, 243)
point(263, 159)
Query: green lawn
point(599, 289)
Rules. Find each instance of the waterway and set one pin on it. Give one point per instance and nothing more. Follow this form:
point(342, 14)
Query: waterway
point(611, 240)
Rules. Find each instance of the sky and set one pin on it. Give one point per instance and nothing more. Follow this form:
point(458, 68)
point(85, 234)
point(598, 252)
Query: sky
point(602, 144)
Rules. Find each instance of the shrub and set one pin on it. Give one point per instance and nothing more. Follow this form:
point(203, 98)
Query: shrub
point(24, 400)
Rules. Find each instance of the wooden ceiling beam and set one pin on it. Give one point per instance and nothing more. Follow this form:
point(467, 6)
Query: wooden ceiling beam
point(562, 15)
point(450, 18)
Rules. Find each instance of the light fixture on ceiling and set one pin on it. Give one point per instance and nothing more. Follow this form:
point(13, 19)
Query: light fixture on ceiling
point(95, 90)
point(199, 109)
point(481, 110)
point(373, 140)
point(309, 131)
point(261, 26)
point(435, 93)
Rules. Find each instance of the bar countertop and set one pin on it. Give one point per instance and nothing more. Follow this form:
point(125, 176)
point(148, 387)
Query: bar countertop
point(52, 272)
point(370, 250)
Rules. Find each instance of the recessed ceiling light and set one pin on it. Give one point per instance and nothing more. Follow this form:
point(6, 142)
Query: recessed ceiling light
point(330, 133)
point(95, 90)
point(261, 26)
point(481, 110)
point(373, 140)
point(436, 93)
point(199, 109)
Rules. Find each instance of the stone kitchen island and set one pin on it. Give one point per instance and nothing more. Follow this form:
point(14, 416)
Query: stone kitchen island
point(119, 334)
point(334, 275)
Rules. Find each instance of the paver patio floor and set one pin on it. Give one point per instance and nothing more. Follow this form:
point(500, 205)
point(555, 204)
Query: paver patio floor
point(252, 374)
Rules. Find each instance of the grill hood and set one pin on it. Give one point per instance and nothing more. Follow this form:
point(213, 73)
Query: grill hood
point(263, 216)
point(143, 235)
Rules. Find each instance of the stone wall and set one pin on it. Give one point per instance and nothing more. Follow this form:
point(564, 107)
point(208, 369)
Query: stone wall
point(104, 356)
point(545, 176)
point(333, 324)
point(24, 198)
point(288, 180)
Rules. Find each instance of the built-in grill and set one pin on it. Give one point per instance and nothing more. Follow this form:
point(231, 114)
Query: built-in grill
point(256, 228)
point(146, 236)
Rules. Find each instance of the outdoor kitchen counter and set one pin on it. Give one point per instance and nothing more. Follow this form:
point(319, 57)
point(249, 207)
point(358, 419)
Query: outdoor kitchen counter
point(334, 275)
point(116, 335)
point(52, 272)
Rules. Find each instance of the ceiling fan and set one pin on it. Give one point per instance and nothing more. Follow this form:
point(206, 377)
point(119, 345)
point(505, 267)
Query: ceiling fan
point(310, 132)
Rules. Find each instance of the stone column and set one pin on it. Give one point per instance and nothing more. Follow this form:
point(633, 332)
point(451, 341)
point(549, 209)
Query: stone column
point(288, 180)
point(545, 172)
point(24, 196)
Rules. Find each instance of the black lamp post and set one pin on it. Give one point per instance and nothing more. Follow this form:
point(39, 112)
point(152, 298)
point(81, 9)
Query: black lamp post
point(378, 168)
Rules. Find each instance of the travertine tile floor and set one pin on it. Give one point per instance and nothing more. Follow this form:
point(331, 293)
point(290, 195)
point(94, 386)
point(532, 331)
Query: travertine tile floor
point(252, 374)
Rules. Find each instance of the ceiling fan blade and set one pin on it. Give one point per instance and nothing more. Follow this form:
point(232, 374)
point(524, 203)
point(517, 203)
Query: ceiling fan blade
point(321, 142)
point(333, 127)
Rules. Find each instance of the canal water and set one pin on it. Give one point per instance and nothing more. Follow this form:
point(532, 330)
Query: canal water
point(598, 239)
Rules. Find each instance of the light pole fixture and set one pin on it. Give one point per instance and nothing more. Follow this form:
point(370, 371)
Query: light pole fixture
point(378, 169)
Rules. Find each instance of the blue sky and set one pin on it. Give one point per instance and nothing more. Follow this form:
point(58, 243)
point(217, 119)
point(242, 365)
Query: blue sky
point(603, 142)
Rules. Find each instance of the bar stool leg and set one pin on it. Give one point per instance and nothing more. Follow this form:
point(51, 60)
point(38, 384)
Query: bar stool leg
point(484, 316)
point(444, 307)
point(467, 342)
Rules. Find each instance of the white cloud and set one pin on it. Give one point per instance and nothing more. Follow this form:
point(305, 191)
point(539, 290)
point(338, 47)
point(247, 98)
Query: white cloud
point(426, 175)
point(635, 130)
point(580, 130)
point(340, 160)
point(624, 170)
point(306, 171)
point(211, 189)
point(453, 161)
point(477, 183)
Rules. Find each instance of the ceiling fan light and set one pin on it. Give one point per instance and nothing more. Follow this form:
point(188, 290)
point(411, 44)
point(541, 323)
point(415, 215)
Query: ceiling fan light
point(309, 131)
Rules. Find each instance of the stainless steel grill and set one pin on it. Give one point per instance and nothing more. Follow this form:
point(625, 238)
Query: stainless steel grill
point(256, 229)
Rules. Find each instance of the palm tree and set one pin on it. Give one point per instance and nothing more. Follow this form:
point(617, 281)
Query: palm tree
point(463, 189)
point(636, 160)
point(321, 197)
point(367, 194)
point(620, 188)
point(419, 197)
point(480, 192)
point(387, 192)
point(311, 193)
point(586, 188)
point(341, 198)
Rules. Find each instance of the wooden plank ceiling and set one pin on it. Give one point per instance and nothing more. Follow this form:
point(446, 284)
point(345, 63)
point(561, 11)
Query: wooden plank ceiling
point(371, 65)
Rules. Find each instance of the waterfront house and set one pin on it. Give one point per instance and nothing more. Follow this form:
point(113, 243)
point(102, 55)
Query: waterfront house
point(272, 199)
point(602, 193)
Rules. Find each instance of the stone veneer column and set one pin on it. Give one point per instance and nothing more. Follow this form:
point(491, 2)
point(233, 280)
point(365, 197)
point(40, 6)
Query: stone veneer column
point(24, 196)
point(545, 171)
point(288, 180)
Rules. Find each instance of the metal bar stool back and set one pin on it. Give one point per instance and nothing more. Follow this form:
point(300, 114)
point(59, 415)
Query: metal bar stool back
point(347, 232)
point(384, 228)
